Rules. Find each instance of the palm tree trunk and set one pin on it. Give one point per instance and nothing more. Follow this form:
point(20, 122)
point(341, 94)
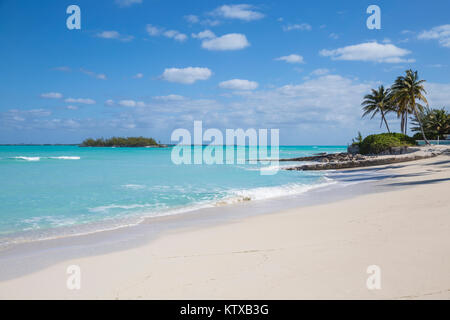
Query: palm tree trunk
point(420, 124)
point(402, 124)
point(385, 122)
point(406, 121)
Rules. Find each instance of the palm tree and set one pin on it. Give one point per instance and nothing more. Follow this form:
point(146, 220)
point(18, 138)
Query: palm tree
point(435, 122)
point(405, 91)
point(379, 101)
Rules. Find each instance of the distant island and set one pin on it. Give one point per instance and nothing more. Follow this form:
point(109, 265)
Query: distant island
point(122, 142)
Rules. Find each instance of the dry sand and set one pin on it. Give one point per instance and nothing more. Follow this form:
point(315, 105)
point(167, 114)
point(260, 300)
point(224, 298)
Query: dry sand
point(315, 252)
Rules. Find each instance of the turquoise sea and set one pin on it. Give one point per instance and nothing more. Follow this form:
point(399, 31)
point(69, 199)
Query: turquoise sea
point(52, 191)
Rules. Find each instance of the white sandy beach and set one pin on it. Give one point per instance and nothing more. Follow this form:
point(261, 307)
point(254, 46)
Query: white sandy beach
point(315, 252)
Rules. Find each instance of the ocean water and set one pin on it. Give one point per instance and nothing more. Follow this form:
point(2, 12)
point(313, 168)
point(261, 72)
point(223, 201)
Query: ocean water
point(53, 191)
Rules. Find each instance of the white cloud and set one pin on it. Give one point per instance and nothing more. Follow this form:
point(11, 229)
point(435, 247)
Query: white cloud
point(438, 94)
point(131, 103)
point(173, 34)
point(170, 97)
point(109, 102)
point(100, 76)
point(153, 31)
point(244, 12)
point(127, 3)
point(293, 58)
point(231, 41)
point(52, 95)
point(210, 22)
point(369, 51)
point(192, 18)
point(440, 33)
point(80, 100)
point(138, 75)
point(109, 34)
point(239, 84)
point(320, 72)
point(302, 27)
point(22, 119)
point(334, 36)
point(72, 107)
point(112, 34)
point(186, 75)
point(207, 34)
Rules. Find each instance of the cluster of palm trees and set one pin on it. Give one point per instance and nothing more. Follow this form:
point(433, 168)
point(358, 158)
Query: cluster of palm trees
point(404, 97)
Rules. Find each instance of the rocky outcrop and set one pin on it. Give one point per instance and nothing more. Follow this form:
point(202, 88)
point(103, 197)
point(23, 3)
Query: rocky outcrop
point(343, 156)
point(358, 162)
point(347, 160)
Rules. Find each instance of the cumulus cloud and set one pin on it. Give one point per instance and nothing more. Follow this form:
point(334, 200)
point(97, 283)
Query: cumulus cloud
point(112, 34)
point(186, 75)
point(127, 3)
point(440, 33)
point(52, 95)
point(138, 75)
point(80, 100)
point(292, 58)
point(207, 34)
point(173, 34)
point(239, 84)
point(193, 19)
point(131, 103)
point(153, 31)
point(244, 12)
point(301, 27)
point(231, 41)
point(369, 51)
point(320, 72)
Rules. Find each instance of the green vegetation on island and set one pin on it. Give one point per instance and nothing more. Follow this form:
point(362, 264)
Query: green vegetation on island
point(121, 142)
point(404, 98)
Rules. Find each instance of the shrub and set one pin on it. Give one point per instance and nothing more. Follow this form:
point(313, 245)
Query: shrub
point(378, 143)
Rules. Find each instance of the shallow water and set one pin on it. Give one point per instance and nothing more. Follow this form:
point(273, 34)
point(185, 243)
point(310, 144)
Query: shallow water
point(50, 191)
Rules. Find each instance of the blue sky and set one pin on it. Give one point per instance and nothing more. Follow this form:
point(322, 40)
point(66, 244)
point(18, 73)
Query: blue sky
point(147, 67)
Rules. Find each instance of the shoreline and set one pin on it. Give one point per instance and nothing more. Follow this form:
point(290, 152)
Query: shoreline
point(226, 204)
point(150, 228)
point(131, 262)
point(349, 161)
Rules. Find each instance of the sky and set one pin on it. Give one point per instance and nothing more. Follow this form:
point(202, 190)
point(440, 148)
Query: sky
point(148, 67)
